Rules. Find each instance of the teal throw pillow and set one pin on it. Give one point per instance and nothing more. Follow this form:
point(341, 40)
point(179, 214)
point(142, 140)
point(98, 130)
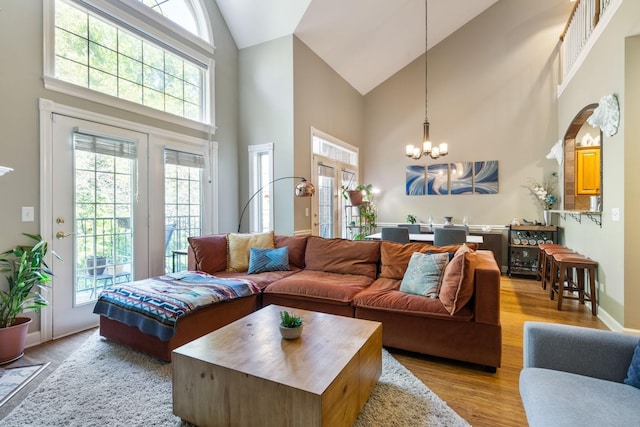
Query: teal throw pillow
point(633, 374)
point(424, 274)
point(263, 260)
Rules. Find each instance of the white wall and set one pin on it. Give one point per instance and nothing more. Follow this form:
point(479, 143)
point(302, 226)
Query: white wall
point(491, 96)
point(613, 244)
point(266, 116)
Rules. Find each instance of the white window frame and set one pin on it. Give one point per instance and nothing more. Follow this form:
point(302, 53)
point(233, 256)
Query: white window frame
point(158, 140)
point(204, 40)
point(255, 184)
point(157, 29)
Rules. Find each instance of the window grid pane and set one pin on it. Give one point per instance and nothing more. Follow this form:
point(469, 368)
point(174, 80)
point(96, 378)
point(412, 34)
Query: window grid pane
point(103, 215)
point(183, 211)
point(101, 56)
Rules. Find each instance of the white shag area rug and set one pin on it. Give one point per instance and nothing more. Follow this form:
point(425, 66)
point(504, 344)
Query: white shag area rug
point(106, 384)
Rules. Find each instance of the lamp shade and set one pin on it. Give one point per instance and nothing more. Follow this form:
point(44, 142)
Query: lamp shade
point(305, 189)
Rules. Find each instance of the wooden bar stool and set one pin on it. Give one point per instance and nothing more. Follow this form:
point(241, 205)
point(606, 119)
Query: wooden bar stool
point(547, 262)
point(564, 267)
point(541, 255)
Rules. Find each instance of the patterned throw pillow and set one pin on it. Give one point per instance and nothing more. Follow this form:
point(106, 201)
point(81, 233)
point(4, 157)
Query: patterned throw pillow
point(263, 260)
point(424, 274)
point(633, 374)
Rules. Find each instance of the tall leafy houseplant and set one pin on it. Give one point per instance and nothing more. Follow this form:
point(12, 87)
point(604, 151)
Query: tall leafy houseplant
point(28, 274)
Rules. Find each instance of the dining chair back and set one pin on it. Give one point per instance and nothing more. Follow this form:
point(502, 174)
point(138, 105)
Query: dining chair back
point(395, 234)
point(458, 227)
point(413, 228)
point(449, 236)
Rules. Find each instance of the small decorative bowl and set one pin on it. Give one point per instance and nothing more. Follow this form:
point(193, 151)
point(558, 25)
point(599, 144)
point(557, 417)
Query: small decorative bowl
point(290, 333)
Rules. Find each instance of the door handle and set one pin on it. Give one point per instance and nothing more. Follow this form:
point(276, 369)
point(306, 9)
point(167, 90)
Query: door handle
point(60, 235)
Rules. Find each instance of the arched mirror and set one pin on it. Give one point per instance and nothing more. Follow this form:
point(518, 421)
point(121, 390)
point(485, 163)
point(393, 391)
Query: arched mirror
point(583, 164)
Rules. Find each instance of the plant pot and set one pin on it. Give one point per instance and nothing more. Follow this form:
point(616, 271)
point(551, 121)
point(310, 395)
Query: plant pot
point(13, 340)
point(99, 262)
point(290, 333)
point(355, 197)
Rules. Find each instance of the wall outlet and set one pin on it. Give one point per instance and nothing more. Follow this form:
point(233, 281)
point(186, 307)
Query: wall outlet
point(27, 214)
point(615, 214)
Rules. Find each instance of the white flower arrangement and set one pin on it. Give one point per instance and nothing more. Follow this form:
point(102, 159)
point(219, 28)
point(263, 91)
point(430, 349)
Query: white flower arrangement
point(543, 193)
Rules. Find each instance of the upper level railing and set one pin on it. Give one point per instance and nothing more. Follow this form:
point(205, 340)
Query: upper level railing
point(584, 18)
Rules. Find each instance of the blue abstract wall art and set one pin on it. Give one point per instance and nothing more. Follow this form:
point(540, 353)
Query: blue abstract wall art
point(415, 181)
point(485, 178)
point(461, 175)
point(438, 179)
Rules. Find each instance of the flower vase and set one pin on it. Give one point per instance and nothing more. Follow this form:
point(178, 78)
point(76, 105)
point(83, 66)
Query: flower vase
point(546, 216)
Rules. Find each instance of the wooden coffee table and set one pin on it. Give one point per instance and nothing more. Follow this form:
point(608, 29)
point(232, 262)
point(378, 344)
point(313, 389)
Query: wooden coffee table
point(245, 374)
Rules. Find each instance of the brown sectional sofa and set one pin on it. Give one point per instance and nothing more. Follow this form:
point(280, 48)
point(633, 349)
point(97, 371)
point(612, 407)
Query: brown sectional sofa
point(360, 279)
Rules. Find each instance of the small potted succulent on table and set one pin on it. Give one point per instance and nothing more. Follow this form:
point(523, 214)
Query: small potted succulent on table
point(290, 325)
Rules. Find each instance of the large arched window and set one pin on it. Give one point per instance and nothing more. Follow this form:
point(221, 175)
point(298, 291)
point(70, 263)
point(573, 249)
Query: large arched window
point(122, 53)
point(186, 13)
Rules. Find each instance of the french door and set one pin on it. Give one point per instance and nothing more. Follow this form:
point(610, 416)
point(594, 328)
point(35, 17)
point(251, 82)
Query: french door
point(329, 211)
point(99, 215)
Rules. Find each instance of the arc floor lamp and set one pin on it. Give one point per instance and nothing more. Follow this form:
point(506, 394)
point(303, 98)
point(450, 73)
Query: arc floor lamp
point(303, 189)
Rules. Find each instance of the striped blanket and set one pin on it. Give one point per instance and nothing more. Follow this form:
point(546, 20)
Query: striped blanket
point(154, 305)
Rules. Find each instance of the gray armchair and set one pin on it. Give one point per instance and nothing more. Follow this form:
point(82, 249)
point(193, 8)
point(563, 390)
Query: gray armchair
point(573, 376)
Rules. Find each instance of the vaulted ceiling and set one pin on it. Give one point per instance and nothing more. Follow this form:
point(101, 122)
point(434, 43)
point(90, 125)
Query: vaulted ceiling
point(364, 41)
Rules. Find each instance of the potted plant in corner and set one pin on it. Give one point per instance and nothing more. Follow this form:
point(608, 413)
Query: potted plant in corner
point(28, 274)
point(290, 325)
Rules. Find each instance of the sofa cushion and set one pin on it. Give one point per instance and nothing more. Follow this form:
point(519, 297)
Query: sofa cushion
point(384, 294)
point(320, 285)
point(342, 256)
point(394, 257)
point(238, 246)
point(633, 375)
point(296, 245)
point(556, 398)
point(424, 274)
point(262, 280)
point(210, 252)
point(263, 260)
point(458, 281)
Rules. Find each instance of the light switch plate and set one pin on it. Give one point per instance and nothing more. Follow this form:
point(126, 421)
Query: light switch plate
point(27, 214)
point(615, 214)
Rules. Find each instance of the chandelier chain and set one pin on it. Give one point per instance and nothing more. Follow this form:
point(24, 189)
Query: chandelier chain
point(426, 48)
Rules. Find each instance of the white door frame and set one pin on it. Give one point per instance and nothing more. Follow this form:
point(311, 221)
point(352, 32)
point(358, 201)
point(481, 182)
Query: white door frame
point(157, 137)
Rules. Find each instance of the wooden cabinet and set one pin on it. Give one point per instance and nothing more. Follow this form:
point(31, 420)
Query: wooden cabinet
point(523, 247)
point(587, 171)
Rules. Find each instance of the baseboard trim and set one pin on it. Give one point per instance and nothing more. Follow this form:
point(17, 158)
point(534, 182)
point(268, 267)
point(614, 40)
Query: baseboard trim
point(609, 321)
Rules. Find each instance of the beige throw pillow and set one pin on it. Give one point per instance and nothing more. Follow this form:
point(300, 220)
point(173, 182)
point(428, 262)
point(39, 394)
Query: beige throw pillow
point(239, 246)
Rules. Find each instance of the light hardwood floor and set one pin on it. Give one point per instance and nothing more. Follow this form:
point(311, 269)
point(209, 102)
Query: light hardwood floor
point(483, 399)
